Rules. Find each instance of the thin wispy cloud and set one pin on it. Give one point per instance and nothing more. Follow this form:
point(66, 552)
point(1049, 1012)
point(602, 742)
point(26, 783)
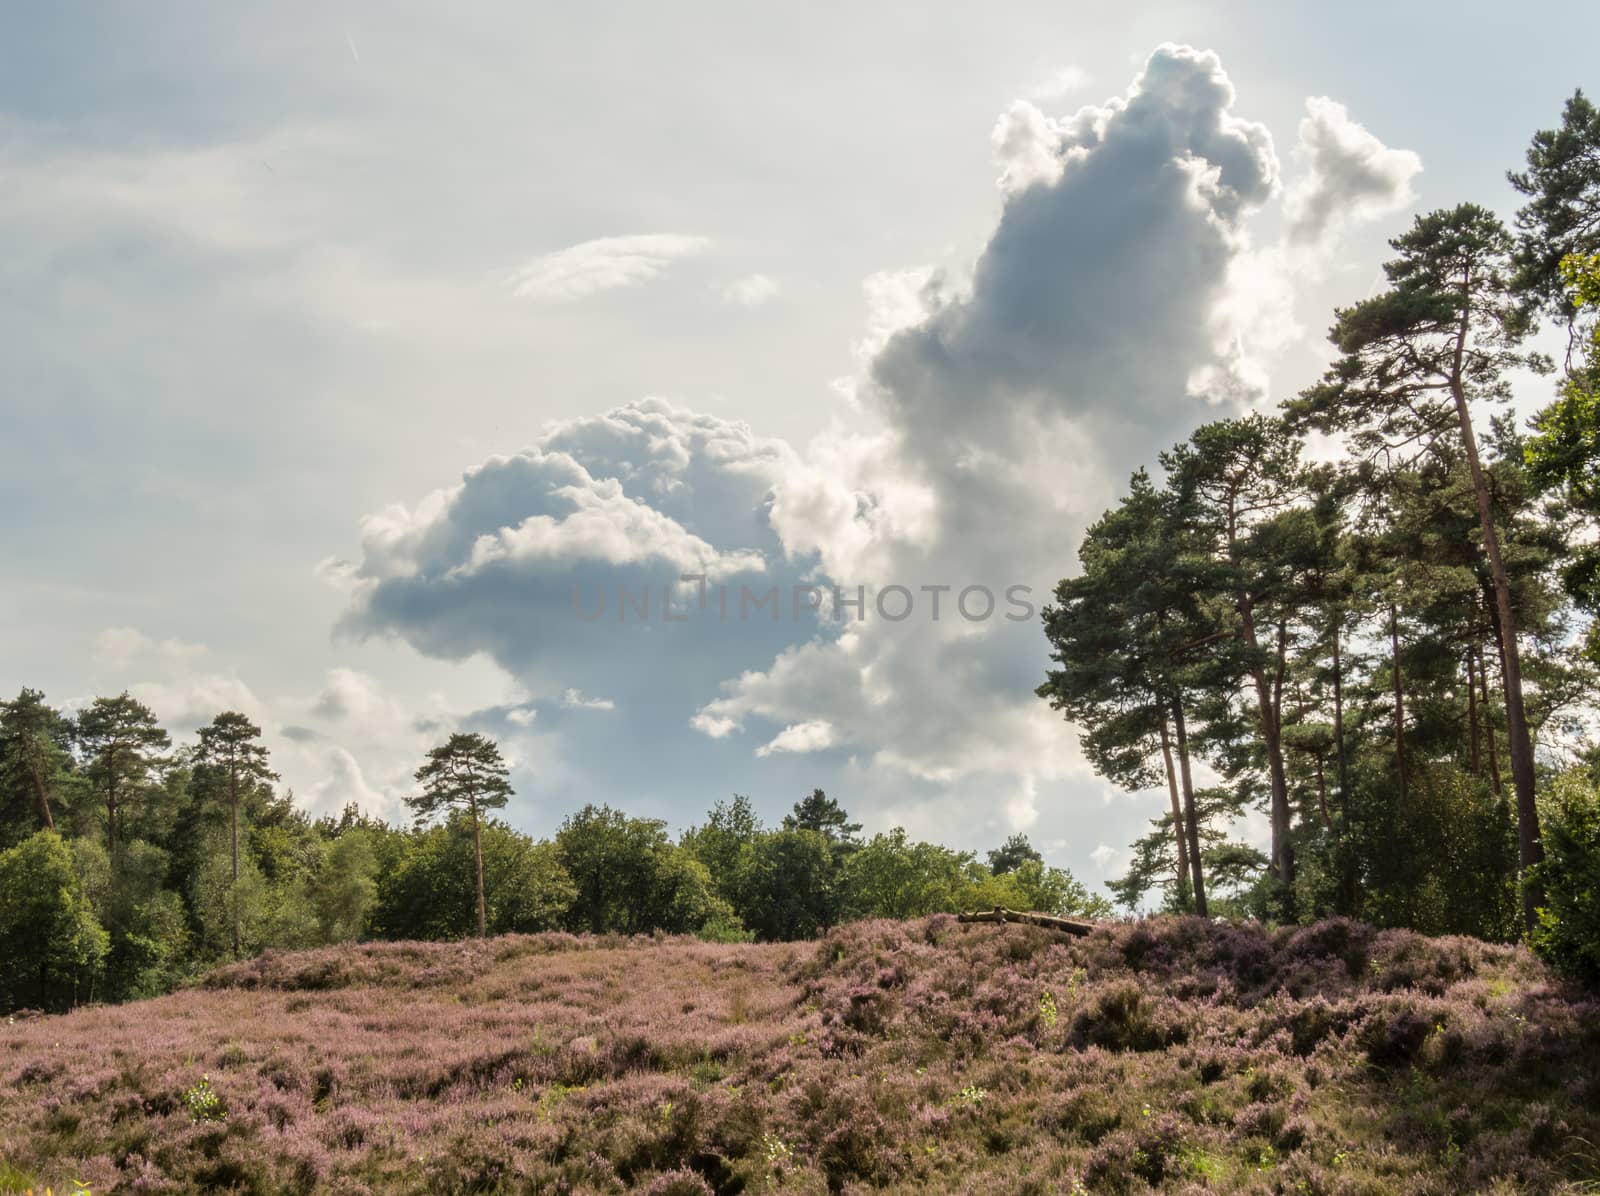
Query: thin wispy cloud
point(750, 291)
point(604, 264)
point(1059, 85)
point(574, 700)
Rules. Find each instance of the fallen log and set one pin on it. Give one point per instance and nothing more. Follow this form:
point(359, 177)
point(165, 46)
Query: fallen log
point(1048, 921)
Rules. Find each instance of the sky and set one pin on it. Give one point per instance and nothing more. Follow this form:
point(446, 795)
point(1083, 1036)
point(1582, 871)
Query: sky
point(353, 353)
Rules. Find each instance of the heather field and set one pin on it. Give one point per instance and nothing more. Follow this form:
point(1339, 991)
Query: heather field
point(1169, 1055)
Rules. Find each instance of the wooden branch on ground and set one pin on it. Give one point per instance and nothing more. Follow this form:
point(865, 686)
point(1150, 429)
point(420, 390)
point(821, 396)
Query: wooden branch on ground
point(1048, 921)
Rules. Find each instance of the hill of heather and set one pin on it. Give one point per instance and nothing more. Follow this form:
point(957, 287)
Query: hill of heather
point(1171, 1055)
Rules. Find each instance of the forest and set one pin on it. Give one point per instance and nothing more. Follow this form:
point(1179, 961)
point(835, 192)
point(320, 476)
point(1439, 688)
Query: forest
point(1366, 617)
point(1369, 615)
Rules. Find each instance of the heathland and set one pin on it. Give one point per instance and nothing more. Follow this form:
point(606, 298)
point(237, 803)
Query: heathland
point(1170, 1054)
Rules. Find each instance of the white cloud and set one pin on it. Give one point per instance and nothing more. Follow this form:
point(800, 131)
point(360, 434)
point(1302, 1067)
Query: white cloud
point(811, 736)
point(1348, 174)
point(348, 693)
point(604, 264)
point(185, 703)
point(1027, 148)
point(573, 699)
point(1105, 857)
point(750, 291)
point(117, 647)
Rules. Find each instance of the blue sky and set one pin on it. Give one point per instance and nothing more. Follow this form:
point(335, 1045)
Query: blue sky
point(343, 340)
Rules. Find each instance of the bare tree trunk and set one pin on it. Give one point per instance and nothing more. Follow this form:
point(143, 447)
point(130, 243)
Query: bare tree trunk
point(1272, 741)
point(1488, 727)
point(1338, 715)
point(233, 820)
point(1074, 926)
point(1530, 850)
point(1190, 816)
point(1184, 886)
point(477, 851)
point(40, 796)
point(1347, 876)
point(1399, 699)
point(1472, 715)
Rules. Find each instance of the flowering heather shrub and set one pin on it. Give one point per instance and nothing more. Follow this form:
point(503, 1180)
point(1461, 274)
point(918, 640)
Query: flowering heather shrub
point(1172, 1055)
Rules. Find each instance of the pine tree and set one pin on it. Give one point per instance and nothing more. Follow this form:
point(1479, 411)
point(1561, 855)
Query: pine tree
point(1237, 484)
point(33, 759)
point(231, 747)
point(1412, 362)
point(120, 739)
point(1122, 635)
point(465, 773)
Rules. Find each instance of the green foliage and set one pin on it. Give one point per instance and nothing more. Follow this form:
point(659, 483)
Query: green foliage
point(794, 886)
point(820, 813)
point(1011, 854)
point(35, 766)
point(430, 894)
point(1562, 216)
point(1569, 923)
point(892, 876)
point(1563, 454)
point(346, 887)
point(51, 947)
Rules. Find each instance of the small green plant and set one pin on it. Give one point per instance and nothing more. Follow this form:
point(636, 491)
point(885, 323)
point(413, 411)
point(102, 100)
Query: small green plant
point(203, 1102)
point(1047, 1010)
point(553, 1096)
point(971, 1096)
point(779, 1154)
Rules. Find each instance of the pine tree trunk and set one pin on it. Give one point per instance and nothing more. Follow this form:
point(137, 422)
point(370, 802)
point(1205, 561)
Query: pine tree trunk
point(1399, 700)
point(1472, 716)
point(1338, 717)
point(1272, 741)
point(1488, 728)
point(477, 852)
point(40, 796)
point(1191, 817)
point(233, 819)
point(1184, 886)
point(1347, 875)
point(1530, 850)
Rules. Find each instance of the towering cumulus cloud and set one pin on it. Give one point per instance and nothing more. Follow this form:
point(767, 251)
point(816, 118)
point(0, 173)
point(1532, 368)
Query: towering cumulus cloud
point(996, 414)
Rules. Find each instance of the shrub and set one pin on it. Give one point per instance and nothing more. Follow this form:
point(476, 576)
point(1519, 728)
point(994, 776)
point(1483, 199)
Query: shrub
point(1568, 934)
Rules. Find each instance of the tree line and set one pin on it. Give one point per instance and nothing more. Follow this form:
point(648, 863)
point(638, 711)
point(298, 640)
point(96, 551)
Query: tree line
point(1387, 650)
point(129, 866)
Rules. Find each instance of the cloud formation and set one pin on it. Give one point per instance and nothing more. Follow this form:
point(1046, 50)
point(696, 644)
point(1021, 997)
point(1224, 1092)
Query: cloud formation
point(995, 413)
point(1349, 174)
point(604, 264)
